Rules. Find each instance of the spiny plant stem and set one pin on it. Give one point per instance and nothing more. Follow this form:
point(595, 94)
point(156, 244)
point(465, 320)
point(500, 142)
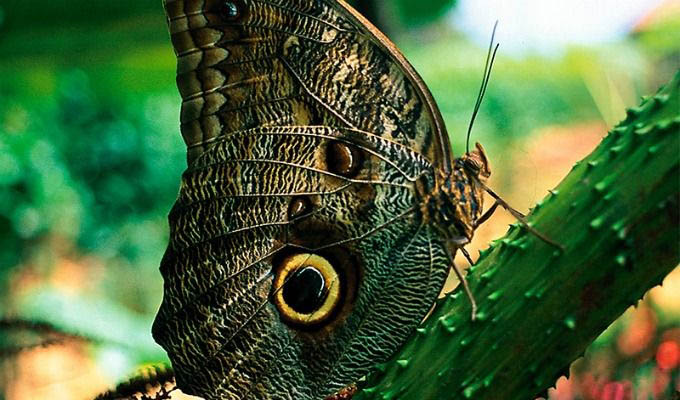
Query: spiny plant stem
point(616, 214)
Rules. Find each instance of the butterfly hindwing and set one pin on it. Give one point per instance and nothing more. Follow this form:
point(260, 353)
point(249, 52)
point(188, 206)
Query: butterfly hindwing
point(232, 217)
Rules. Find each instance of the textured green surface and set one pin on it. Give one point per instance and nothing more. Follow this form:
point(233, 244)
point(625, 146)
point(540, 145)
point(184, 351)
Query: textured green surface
point(616, 213)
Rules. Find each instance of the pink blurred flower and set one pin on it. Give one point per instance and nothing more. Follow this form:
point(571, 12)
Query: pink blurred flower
point(617, 391)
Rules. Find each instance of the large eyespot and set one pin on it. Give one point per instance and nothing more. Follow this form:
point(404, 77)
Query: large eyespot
point(307, 290)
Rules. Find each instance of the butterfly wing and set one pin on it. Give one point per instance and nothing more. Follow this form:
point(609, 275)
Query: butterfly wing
point(293, 62)
point(306, 136)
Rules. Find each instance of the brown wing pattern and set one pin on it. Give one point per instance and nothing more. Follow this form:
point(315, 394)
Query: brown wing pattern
point(271, 90)
point(292, 62)
point(231, 223)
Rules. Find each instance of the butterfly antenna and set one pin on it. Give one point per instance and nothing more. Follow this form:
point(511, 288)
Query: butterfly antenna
point(490, 57)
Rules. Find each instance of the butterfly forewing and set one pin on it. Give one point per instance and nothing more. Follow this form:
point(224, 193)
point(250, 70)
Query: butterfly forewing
point(307, 62)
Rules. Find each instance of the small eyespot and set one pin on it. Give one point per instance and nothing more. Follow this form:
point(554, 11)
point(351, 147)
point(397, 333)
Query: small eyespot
point(230, 10)
point(344, 159)
point(294, 51)
point(298, 207)
point(291, 47)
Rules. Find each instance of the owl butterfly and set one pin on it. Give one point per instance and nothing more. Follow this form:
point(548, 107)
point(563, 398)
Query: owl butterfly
point(321, 208)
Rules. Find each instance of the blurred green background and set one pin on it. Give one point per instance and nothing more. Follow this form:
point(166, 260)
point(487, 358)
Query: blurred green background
point(91, 155)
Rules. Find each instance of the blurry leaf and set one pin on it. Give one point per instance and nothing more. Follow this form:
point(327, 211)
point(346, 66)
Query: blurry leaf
point(407, 13)
point(86, 167)
point(29, 14)
point(95, 318)
point(19, 335)
point(157, 380)
point(416, 12)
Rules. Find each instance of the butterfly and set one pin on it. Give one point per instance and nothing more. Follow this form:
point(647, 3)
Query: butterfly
point(321, 208)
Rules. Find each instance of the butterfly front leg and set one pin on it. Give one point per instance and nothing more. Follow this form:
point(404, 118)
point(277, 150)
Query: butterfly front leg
point(520, 217)
point(486, 216)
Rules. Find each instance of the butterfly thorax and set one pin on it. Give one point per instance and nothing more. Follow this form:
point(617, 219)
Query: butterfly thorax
point(455, 202)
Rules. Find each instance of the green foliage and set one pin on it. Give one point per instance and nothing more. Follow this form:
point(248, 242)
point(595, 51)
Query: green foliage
point(88, 169)
point(27, 15)
point(409, 12)
point(414, 12)
point(77, 32)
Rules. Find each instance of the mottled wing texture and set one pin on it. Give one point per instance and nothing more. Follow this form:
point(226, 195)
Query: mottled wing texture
point(266, 96)
point(296, 63)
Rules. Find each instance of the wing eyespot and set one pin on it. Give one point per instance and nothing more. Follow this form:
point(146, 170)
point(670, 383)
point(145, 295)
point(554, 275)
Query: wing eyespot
point(307, 290)
point(314, 293)
point(344, 159)
point(298, 207)
point(231, 10)
point(291, 47)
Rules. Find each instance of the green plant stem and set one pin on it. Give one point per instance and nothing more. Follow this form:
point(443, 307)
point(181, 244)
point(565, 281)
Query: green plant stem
point(616, 214)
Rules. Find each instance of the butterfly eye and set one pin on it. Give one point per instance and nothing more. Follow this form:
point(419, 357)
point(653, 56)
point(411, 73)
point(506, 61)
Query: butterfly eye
point(230, 10)
point(446, 217)
point(343, 159)
point(472, 166)
point(307, 290)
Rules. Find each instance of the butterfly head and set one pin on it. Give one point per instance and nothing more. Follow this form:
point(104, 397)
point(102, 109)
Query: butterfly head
point(476, 164)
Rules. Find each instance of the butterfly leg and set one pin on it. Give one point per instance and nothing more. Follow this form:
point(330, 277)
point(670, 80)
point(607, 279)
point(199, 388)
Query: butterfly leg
point(487, 214)
point(466, 287)
point(467, 256)
point(520, 217)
